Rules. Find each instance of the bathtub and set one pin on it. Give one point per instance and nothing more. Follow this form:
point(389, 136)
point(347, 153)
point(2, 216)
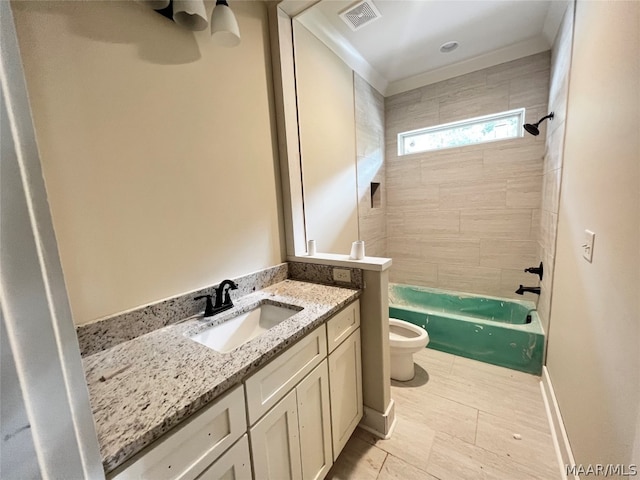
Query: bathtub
point(494, 330)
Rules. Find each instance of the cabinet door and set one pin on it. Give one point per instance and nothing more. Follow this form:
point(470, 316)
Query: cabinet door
point(275, 443)
point(315, 423)
point(183, 453)
point(235, 464)
point(268, 385)
point(345, 380)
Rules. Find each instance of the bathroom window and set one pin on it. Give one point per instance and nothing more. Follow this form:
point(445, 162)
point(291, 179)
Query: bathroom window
point(489, 128)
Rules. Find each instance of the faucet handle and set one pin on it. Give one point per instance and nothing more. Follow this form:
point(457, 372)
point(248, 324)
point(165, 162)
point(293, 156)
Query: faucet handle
point(536, 270)
point(227, 295)
point(208, 311)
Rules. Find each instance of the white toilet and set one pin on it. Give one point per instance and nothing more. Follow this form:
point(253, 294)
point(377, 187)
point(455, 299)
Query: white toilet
point(405, 339)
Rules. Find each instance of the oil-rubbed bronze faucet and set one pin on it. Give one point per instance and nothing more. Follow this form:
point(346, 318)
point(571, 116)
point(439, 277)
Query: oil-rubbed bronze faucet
point(522, 289)
point(223, 299)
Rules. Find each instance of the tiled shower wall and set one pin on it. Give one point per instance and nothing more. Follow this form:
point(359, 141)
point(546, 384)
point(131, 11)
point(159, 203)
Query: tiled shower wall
point(369, 106)
point(552, 167)
point(468, 218)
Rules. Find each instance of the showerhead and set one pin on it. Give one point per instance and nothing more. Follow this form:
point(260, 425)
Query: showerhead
point(532, 128)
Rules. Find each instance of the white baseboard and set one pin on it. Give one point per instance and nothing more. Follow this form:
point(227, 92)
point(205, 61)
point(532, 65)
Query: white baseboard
point(378, 423)
point(558, 432)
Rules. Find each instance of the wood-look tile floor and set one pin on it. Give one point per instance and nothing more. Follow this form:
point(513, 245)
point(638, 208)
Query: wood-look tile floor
point(458, 419)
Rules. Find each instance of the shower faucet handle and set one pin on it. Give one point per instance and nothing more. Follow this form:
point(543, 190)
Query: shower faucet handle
point(535, 270)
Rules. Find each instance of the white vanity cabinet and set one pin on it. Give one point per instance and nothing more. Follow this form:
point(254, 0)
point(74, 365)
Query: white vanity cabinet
point(235, 464)
point(293, 440)
point(288, 420)
point(345, 375)
point(186, 451)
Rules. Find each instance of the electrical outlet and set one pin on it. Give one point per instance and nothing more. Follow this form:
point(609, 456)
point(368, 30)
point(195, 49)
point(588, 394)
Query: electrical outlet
point(587, 245)
point(342, 275)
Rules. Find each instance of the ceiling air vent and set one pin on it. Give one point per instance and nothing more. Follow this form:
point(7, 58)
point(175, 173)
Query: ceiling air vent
point(360, 14)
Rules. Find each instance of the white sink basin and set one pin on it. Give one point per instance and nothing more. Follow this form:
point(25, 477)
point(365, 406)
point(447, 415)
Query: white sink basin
point(231, 334)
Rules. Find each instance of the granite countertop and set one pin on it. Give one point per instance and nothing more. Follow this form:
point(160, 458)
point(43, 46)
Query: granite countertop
point(158, 379)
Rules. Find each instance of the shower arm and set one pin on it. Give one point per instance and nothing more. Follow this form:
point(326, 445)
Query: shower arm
point(543, 119)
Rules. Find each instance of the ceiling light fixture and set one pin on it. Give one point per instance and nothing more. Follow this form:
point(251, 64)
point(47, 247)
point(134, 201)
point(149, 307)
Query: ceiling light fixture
point(224, 26)
point(449, 47)
point(191, 15)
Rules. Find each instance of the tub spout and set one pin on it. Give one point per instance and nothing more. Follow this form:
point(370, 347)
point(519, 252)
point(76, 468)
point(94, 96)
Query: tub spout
point(522, 289)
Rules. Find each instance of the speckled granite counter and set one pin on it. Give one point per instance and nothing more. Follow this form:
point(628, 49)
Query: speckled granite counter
point(165, 377)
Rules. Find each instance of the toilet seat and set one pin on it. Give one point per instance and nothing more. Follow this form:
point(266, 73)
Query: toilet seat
point(406, 335)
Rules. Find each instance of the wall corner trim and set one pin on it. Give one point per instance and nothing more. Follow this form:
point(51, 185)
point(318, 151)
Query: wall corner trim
point(560, 439)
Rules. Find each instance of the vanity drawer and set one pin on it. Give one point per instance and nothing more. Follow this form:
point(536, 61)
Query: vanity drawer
point(343, 324)
point(272, 382)
point(187, 450)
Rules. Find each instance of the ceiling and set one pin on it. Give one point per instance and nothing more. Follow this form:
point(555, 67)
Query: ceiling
point(401, 50)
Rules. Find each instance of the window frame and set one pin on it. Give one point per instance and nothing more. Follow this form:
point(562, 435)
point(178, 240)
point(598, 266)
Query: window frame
point(402, 136)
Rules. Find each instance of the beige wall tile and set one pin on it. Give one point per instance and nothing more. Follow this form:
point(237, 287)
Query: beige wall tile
point(402, 99)
point(369, 118)
point(464, 195)
point(537, 64)
point(514, 161)
point(547, 236)
point(467, 278)
point(491, 187)
point(497, 224)
point(402, 172)
point(535, 223)
point(413, 272)
point(551, 190)
point(419, 197)
point(508, 253)
point(473, 102)
point(427, 223)
point(474, 80)
point(553, 150)
point(544, 307)
point(450, 166)
point(451, 251)
point(529, 91)
point(402, 246)
point(524, 192)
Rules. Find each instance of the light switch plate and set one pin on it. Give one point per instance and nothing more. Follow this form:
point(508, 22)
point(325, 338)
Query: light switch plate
point(342, 275)
point(587, 245)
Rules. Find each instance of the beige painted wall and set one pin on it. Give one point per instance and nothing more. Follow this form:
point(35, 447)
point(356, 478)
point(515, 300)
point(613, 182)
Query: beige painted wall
point(157, 148)
point(593, 356)
point(467, 218)
point(327, 143)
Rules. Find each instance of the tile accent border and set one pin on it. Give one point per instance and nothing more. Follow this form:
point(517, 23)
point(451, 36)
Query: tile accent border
point(317, 273)
point(110, 331)
point(558, 432)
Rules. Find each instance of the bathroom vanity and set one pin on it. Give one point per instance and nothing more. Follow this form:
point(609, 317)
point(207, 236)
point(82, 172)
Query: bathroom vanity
point(281, 405)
